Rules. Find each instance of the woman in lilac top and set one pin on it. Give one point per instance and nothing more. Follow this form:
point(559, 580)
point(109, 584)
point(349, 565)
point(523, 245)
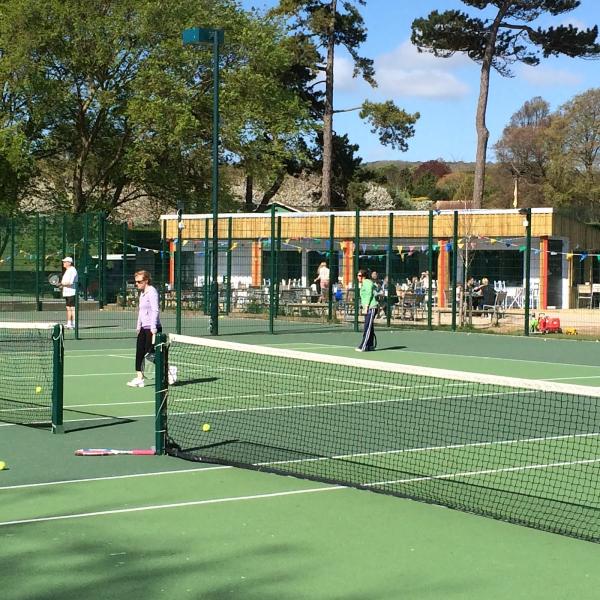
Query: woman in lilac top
point(148, 324)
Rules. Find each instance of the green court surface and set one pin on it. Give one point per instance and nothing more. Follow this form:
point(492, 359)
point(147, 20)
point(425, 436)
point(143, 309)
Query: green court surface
point(159, 527)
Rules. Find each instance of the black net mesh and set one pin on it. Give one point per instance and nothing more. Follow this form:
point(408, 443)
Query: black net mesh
point(516, 450)
point(26, 373)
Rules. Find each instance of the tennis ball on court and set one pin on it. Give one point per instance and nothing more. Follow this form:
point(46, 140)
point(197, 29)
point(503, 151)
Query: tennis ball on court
point(206, 427)
point(38, 389)
point(2, 465)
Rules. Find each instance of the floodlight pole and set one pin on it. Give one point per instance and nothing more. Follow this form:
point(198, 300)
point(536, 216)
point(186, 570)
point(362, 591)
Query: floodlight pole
point(198, 36)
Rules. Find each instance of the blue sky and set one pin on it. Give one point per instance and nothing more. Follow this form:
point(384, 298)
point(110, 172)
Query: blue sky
point(444, 91)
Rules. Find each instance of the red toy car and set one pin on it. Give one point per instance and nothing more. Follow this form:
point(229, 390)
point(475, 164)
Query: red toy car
point(549, 325)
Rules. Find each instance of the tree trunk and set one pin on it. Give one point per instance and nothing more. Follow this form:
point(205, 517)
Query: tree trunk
point(325, 203)
point(249, 193)
point(482, 131)
point(264, 202)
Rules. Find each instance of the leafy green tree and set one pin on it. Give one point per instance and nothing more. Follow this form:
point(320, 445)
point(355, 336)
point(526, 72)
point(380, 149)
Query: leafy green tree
point(574, 167)
point(114, 108)
point(497, 43)
point(523, 145)
point(523, 153)
point(327, 24)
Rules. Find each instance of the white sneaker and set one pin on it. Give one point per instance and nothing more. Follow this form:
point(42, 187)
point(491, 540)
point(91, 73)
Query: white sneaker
point(136, 382)
point(172, 376)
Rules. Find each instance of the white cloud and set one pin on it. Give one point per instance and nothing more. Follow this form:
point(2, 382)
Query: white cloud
point(406, 72)
point(548, 77)
point(576, 23)
point(342, 75)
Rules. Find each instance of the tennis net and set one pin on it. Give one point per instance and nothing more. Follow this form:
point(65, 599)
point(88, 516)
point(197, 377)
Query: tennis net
point(522, 451)
point(31, 374)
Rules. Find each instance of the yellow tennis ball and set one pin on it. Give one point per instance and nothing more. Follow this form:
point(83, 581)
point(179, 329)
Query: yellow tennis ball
point(206, 427)
point(38, 389)
point(2, 465)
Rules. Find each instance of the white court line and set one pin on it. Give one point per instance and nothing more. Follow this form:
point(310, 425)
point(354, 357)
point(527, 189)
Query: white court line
point(105, 373)
point(133, 402)
point(572, 378)
point(98, 418)
point(172, 505)
point(487, 472)
point(478, 357)
point(553, 438)
point(76, 350)
point(111, 477)
point(69, 356)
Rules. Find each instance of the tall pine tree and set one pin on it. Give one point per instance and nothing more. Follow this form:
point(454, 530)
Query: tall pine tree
point(498, 42)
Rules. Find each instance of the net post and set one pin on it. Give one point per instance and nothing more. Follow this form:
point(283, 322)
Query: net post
point(57, 379)
point(160, 392)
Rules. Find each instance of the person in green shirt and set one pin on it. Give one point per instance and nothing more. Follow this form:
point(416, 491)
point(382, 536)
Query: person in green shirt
point(370, 305)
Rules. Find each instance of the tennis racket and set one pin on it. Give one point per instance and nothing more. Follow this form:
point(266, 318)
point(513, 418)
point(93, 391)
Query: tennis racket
point(54, 279)
point(113, 452)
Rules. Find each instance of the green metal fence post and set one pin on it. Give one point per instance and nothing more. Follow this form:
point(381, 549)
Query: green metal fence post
point(12, 255)
point(77, 311)
point(163, 265)
point(527, 223)
point(272, 278)
point(100, 251)
point(64, 237)
point(43, 263)
point(388, 270)
point(104, 272)
point(206, 284)
point(124, 269)
point(229, 251)
point(38, 252)
point(57, 383)
point(86, 253)
point(277, 259)
point(454, 258)
point(178, 267)
point(430, 269)
point(331, 265)
point(356, 266)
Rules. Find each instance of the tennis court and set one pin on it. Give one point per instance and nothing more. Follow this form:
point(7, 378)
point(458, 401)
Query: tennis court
point(153, 526)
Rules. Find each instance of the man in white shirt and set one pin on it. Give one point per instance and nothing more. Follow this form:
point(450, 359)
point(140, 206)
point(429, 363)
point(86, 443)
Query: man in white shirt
point(68, 284)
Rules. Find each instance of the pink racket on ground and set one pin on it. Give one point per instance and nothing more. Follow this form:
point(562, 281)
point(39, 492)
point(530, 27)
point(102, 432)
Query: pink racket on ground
point(113, 452)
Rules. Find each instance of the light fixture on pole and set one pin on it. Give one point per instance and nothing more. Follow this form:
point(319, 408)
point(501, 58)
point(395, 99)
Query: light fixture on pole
point(198, 36)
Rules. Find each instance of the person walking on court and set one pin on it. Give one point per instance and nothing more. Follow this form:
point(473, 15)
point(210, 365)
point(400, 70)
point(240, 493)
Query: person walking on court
point(148, 324)
point(323, 279)
point(370, 305)
point(68, 284)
